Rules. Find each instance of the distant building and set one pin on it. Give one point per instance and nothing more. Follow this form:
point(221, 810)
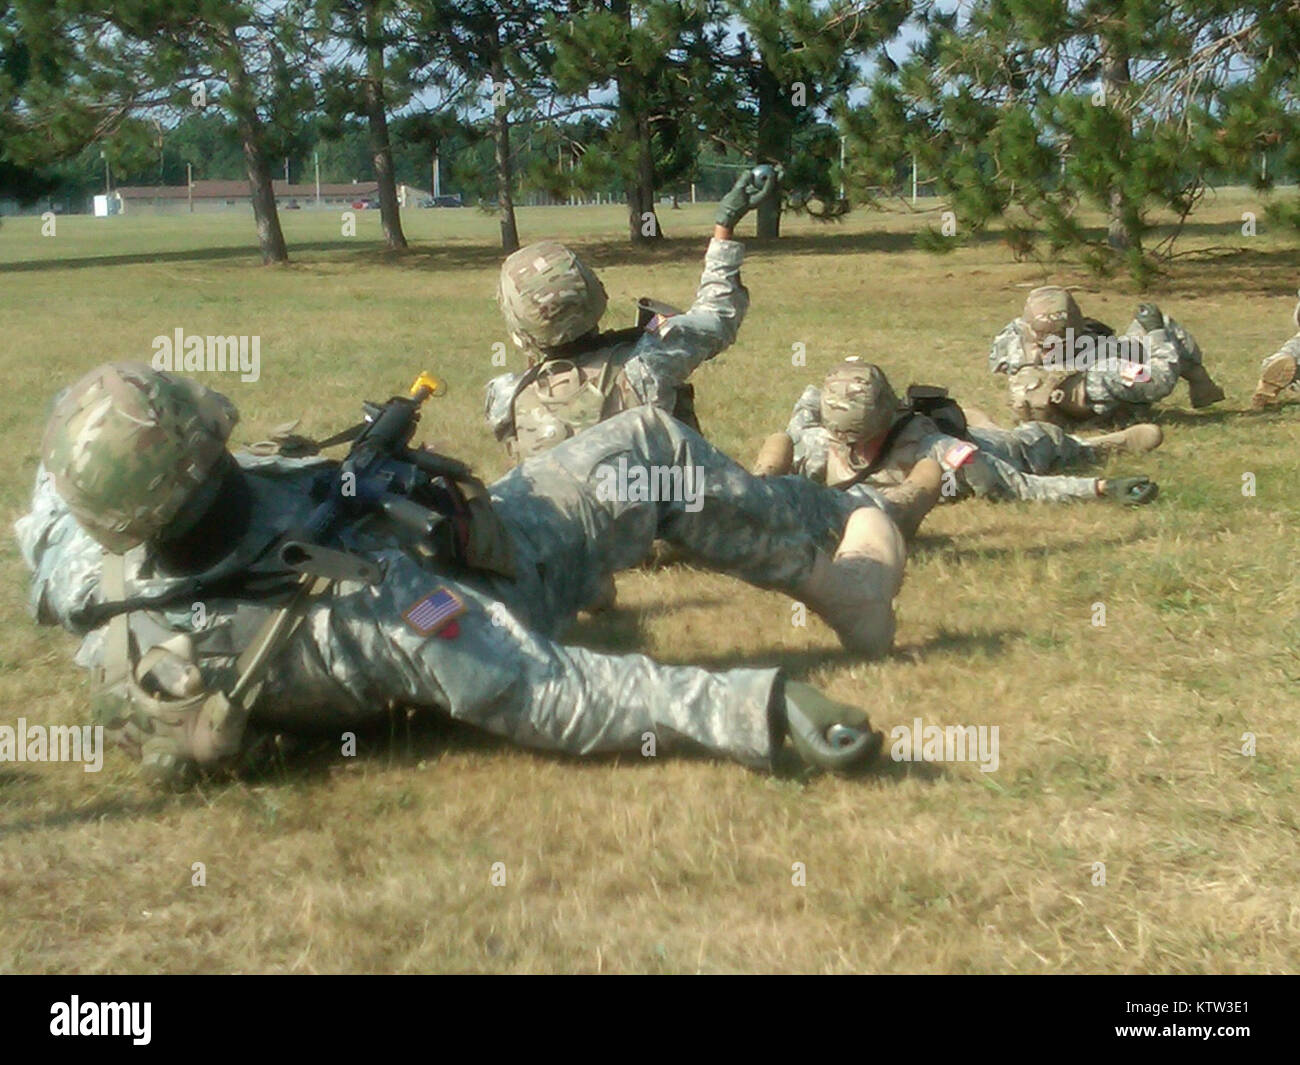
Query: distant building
point(210, 196)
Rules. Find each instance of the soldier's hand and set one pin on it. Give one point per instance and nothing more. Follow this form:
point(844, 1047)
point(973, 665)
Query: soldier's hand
point(827, 734)
point(751, 188)
point(1133, 491)
point(1149, 317)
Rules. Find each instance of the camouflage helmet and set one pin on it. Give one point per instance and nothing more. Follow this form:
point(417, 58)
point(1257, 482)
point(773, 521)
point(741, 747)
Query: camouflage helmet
point(857, 401)
point(127, 445)
point(1050, 310)
point(549, 296)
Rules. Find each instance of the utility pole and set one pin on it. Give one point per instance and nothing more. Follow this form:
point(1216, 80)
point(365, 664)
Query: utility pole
point(189, 185)
point(316, 157)
point(913, 181)
point(437, 175)
point(842, 140)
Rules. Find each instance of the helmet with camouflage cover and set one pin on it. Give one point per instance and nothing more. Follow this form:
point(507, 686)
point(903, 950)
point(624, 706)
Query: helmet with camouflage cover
point(549, 296)
point(858, 402)
point(1050, 310)
point(128, 445)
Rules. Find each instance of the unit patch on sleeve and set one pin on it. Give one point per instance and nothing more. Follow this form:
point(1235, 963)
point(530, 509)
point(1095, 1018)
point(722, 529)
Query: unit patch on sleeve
point(435, 611)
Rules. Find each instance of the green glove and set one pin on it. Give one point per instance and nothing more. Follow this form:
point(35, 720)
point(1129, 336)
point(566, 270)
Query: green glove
point(827, 734)
point(1149, 317)
point(1134, 491)
point(751, 188)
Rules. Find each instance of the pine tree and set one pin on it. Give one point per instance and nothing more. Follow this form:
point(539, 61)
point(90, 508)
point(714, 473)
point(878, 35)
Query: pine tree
point(793, 61)
point(655, 57)
point(500, 44)
point(1047, 104)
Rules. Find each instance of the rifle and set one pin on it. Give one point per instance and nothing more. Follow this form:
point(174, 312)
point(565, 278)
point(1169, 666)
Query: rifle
point(382, 473)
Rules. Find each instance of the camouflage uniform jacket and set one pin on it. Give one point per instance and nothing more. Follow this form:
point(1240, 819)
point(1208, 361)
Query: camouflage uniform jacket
point(500, 665)
point(993, 463)
point(1170, 352)
point(651, 366)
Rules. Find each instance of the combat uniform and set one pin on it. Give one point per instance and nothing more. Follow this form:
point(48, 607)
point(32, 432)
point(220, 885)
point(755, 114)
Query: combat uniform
point(1279, 371)
point(1119, 390)
point(476, 645)
point(993, 463)
point(574, 386)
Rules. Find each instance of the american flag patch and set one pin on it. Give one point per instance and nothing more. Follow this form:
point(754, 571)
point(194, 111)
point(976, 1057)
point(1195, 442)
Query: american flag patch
point(1134, 373)
point(435, 611)
point(959, 454)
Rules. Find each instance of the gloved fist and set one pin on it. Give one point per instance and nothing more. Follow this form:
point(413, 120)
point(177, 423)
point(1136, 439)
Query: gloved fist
point(827, 734)
point(1149, 317)
point(751, 188)
point(1135, 491)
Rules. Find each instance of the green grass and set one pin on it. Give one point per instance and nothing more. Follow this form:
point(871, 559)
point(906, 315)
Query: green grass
point(1119, 744)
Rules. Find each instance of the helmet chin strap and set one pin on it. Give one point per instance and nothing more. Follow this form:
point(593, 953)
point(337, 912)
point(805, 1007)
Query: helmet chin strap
point(190, 544)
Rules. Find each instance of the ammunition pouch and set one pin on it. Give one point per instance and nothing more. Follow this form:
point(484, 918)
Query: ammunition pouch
point(1054, 396)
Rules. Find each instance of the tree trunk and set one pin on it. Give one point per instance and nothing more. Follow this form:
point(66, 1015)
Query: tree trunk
point(381, 149)
point(634, 123)
point(642, 220)
point(773, 143)
point(505, 172)
point(1121, 229)
point(270, 237)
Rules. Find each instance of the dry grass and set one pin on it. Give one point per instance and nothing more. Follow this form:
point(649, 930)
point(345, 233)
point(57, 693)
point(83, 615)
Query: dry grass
point(1118, 744)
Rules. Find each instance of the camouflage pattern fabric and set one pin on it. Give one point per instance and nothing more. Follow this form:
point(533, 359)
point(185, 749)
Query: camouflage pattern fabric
point(654, 365)
point(1171, 353)
point(857, 401)
point(1018, 463)
point(125, 430)
point(548, 295)
point(502, 667)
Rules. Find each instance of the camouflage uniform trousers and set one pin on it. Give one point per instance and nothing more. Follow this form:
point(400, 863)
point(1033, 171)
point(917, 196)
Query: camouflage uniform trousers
point(1019, 463)
point(1170, 353)
point(500, 667)
point(663, 358)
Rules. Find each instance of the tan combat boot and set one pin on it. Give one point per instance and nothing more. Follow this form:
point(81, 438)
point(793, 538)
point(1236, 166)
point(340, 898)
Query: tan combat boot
point(912, 500)
point(1135, 440)
point(775, 457)
point(1203, 390)
point(854, 591)
point(1277, 375)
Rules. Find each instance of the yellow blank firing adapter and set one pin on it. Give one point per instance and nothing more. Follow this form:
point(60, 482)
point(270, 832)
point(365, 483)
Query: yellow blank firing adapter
point(436, 385)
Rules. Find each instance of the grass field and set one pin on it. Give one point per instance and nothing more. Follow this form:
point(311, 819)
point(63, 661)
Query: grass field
point(1119, 744)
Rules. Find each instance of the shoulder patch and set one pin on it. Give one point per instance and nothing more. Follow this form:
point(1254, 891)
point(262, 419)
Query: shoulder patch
point(959, 454)
point(437, 610)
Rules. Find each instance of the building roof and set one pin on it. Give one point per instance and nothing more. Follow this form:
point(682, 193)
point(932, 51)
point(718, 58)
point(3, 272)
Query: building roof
point(234, 190)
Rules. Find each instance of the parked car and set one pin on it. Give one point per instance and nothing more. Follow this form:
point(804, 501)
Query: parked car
point(453, 200)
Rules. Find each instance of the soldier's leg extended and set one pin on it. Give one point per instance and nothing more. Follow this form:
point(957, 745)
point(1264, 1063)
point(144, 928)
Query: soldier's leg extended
point(1278, 372)
point(596, 503)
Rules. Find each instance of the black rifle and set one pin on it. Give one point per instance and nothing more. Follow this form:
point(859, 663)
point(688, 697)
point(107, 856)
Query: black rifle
point(383, 474)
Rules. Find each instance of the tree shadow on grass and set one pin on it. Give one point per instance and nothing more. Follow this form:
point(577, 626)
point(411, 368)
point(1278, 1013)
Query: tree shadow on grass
point(109, 808)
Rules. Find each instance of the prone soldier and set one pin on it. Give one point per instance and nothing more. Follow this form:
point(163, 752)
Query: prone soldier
point(854, 430)
point(330, 593)
point(1074, 371)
